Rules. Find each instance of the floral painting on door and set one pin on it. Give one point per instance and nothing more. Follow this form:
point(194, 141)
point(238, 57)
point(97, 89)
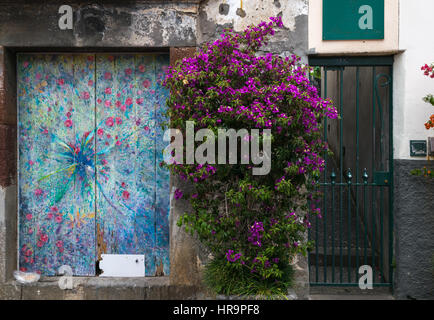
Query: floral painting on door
point(90, 145)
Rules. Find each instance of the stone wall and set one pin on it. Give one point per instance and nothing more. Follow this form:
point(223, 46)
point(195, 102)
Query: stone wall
point(414, 236)
point(8, 166)
point(100, 24)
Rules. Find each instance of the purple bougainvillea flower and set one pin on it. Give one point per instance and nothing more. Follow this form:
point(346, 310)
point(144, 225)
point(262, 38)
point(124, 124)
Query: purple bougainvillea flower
point(178, 194)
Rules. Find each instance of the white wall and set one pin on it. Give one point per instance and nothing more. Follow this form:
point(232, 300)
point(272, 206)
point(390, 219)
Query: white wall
point(410, 85)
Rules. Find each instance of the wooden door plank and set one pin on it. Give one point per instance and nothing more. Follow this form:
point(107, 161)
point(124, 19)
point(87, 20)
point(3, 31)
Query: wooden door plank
point(145, 160)
point(115, 213)
point(125, 207)
point(56, 191)
point(128, 91)
point(162, 182)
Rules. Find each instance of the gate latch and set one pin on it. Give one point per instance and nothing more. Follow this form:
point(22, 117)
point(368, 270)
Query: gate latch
point(382, 178)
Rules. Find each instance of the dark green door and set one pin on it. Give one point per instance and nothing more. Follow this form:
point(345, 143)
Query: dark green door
point(355, 227)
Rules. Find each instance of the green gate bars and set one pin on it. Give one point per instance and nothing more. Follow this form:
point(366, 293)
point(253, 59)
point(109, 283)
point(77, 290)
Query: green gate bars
point(356, 223)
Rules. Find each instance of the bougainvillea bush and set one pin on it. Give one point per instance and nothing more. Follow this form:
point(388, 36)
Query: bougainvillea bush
point(428, 70)
point(252, 224)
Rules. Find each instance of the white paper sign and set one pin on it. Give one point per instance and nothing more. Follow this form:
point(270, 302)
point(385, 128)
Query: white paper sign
point(122, 265)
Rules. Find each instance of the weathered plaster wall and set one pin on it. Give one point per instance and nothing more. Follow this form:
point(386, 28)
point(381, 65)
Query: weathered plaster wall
point(148, 23)
point(119, 25)
point(216, 15)
point(100, 24)
point(243, 13)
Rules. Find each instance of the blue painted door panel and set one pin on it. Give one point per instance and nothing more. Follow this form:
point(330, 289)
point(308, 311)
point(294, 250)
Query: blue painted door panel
point(89, 148)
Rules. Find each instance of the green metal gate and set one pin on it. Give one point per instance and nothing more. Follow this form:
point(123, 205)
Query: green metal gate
point(355, 227)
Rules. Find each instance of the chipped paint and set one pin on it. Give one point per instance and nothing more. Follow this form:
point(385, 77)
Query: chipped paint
point(241, 14)
point(101, 244)
point(161, 26)
point(159, 272)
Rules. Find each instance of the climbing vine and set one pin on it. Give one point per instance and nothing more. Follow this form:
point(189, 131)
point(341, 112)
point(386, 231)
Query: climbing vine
point(253, 225)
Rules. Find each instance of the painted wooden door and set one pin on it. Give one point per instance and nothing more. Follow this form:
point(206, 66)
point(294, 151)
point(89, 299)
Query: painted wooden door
point(90, 145)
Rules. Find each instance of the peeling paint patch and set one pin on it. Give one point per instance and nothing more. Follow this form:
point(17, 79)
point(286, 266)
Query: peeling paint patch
point(240, 12)
point(253, 12)
point(159, 272)
point(224, 9)
point(162, 27)
point(101, 244)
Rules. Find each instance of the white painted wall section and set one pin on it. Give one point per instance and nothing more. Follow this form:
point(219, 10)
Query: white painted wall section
point(410, 85)
point(256, 11)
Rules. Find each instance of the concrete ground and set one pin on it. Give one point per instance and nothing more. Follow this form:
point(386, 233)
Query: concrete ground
point(349, 293)
point(350, 297)
point(328, 293)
